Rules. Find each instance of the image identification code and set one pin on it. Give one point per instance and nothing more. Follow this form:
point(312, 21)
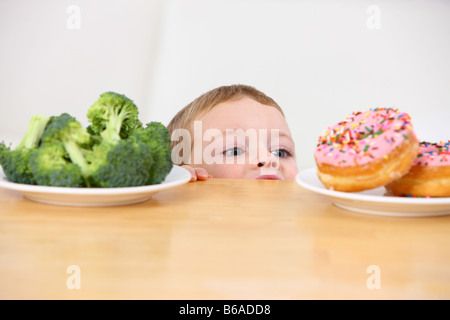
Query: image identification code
point(226, 309)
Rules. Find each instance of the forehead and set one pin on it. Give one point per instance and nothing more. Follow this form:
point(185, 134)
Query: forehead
point(244, 113)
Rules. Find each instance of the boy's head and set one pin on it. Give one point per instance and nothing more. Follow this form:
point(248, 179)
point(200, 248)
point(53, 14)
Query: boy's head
point(234, 132)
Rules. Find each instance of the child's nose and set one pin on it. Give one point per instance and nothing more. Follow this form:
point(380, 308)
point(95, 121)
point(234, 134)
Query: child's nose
point(268, 161)
point(272, 164)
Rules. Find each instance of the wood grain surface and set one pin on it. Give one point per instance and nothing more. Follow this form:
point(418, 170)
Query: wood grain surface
point(220, 239)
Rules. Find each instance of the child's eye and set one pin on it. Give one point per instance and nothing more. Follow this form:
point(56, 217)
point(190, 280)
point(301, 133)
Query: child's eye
point(233, 152)
point(281, 153)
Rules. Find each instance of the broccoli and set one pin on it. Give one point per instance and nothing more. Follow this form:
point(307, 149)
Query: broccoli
point(142, 159)
point(51, 166)
point(113, 116)
point(123, 157)
point(123, 164)
point(114, 151)
point(157, 138)
point(16, 163)
point(68, 132)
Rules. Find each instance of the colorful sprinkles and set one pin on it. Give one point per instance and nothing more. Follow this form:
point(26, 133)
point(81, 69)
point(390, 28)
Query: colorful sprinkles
point(433, 154)
point(413, 196)
point(363, 137)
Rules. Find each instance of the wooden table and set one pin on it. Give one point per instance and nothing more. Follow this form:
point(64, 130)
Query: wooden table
point(220, 239)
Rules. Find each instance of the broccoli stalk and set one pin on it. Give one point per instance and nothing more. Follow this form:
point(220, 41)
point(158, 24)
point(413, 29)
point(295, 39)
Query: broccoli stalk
point(76, 155)
point(34, 132)
point(16, 163)
point(116, 118)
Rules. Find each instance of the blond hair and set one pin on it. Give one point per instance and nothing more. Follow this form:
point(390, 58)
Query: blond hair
point(186, 116)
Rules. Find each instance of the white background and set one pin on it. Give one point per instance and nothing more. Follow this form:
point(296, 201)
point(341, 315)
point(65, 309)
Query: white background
point(320, 60)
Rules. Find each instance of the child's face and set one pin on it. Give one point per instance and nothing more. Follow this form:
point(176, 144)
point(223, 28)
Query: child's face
point(245, 139)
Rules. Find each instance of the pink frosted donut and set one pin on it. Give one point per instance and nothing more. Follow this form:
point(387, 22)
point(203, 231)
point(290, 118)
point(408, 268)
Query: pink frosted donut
point(429, 175)
point(366, 150)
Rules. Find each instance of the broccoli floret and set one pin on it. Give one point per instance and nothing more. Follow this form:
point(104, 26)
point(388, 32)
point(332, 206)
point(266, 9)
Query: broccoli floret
point(113, 116)
point(66, 130)
point(157, 138)
point(16, 163)
point(121, 158)
point(142, 159)
point(124, 164)
point(51, 166)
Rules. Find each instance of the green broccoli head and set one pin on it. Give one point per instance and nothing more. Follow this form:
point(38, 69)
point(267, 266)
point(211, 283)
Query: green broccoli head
point(113, 116)
point(51, 166)
point(16, 162)
point(123, 164)
point(66, 128)
point(76, 140)
point(157, 137)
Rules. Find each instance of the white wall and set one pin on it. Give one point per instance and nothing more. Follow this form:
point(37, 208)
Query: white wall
point(320, 60)
point(48, 65)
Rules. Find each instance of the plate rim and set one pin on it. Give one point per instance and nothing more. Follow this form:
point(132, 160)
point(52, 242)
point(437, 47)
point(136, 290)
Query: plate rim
point(185, 177)
point(365, 197)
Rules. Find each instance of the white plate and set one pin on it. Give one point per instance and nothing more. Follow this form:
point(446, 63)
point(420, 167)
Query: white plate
point(375, 201)
point(96, 197)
